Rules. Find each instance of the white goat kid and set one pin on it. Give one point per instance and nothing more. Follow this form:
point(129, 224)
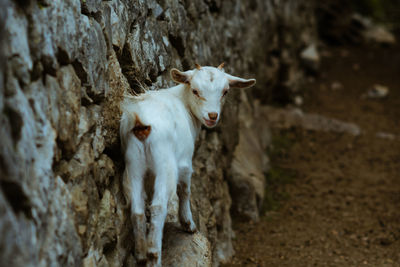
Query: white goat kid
point(158, 133)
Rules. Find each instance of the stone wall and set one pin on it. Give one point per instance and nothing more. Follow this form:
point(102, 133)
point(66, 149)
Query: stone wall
point(65, 65)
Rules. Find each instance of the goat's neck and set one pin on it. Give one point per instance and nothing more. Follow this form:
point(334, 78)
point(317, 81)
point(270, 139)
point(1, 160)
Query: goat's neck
point(183, 92)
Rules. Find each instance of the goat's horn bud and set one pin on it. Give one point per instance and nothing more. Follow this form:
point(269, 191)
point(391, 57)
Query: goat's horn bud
point(197, 66)
point(221, 66)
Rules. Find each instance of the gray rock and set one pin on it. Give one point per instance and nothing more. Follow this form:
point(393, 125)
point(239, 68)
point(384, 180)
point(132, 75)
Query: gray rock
point(249, 164)
point(377, 91)
point(91, 66)
point(311, 58)
point(336, 86)
point(120, 19)
point(185, 249)
point(17, 44)
point(90, 6)
point(67, 65)
point(387, 136)
point(379, 34)
point(68, 88)
point(294, 117)
point(373, 32)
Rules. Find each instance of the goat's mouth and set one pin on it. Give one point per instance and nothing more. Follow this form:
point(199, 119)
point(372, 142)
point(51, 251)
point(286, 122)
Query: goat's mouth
point(210, 123)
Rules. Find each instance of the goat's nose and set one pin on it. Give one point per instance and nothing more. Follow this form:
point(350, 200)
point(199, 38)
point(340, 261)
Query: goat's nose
point(213, 116)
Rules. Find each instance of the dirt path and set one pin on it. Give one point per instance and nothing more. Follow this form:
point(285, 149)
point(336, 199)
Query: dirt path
point(342, 206)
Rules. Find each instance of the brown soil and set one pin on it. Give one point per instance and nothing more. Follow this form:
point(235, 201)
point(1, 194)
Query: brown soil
point(343, 206)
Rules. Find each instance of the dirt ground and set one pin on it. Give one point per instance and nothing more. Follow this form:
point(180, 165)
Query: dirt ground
point(342, 204)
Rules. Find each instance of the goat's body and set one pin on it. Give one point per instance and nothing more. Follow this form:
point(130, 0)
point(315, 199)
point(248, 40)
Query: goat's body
point(158, 132)
point(168, 117)
point(167, 153)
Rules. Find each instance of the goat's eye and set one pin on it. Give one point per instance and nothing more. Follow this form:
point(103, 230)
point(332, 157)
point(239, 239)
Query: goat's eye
point(224, 92)
point(196, 92)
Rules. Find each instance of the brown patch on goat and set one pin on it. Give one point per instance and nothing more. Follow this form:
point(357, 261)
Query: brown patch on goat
point(140, 130)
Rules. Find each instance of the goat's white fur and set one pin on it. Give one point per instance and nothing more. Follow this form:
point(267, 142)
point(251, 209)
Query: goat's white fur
point(175, 116)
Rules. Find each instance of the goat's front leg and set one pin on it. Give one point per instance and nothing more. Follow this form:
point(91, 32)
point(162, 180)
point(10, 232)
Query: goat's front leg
point(134, 193)
point(164, 186)
point(185, 213)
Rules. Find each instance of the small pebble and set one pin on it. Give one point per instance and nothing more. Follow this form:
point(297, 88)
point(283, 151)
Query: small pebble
point(298, 100)
point(376, 91)
point(336, 86)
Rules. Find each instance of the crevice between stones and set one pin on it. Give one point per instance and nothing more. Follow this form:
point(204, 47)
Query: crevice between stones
point(17, 198)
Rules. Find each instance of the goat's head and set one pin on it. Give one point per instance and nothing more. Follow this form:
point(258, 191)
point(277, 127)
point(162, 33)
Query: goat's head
point(207, 88)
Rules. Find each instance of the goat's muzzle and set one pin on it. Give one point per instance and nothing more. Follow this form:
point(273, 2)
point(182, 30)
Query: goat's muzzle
point(213, 116)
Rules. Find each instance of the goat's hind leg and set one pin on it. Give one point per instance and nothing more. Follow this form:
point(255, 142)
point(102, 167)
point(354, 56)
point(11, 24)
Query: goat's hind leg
point(134, 193)
point(185, 213)
point(166, 175)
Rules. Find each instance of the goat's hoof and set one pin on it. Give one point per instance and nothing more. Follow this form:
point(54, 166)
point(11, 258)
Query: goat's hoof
point(141, 258)
point(153, 258)
point(140, 251)
point(141, 261)
point(153, 263)
point(189, 227)
point(153, 254)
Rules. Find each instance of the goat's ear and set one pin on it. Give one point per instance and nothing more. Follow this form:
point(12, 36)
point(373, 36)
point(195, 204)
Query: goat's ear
point(236, 82)
point(180, 77)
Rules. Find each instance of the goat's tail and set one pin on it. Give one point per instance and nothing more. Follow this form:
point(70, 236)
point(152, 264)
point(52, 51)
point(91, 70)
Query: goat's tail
point(140, 130)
